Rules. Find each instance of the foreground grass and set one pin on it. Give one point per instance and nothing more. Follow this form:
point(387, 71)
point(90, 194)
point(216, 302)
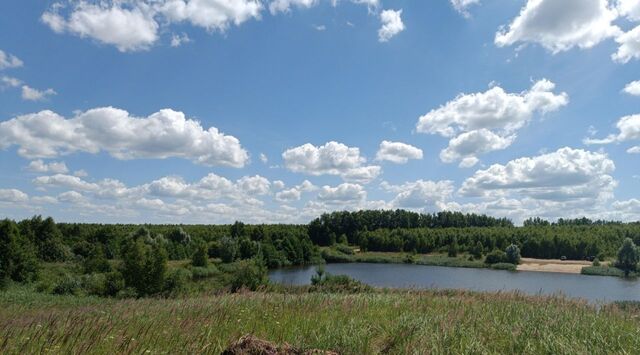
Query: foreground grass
point(377, 322)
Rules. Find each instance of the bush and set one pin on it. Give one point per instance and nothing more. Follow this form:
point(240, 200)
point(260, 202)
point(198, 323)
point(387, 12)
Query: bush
point(200, 257)
point(228, 249)
point(250, 274)
point(325, 282)
point(496, 256)
point(452, 251)
point(177, 281)
point(504, 266)
point(68, 285)
point(17, 257)
point(344, 249)
point(513, 254)
point(96, 261)
point(144, 267)
point(335, 256)
point(198, 273)
point(596, 262)
point(476, 250)
point(627, 256)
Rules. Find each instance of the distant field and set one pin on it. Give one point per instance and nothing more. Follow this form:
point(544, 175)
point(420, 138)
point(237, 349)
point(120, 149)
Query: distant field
point(396, 322)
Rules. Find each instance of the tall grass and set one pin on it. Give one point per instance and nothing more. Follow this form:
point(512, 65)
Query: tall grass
point(372, 322)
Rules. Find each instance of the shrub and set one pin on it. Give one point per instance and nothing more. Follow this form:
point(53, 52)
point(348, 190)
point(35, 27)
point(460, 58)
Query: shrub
point(335, 256)
point(198, 273)
point(177, 281)
point(344, 249)
point(144, 267)
point(596, 262)
point(200, 257)
point(68, 285)
point(325, 282)
point(496, 256)
point(96, 261)
point(504, 266)
point(627, 256)
point(476, 250)
point(17, 258)
point(228, 249)
point(513, 254)
point(250, 274)
point(452, 251)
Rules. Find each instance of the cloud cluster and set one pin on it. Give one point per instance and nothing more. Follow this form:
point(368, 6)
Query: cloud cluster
point(332, 158)
point(294, 193)
point(397, 152)
point(31, 94)
point(423, 195)
point(9, 61)
point(164, 134)
point(482, 122)
point(462, 6)
point(633, 88)
point(391, 24)
point(39, 166)
point(565, 175)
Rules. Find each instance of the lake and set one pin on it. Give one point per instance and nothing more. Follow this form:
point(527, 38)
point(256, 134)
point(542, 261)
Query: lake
point(595, 289)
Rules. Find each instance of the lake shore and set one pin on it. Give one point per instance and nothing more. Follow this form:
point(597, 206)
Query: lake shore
point(552, 265)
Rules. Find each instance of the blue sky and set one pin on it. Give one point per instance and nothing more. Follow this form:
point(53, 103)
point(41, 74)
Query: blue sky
point(480, 106)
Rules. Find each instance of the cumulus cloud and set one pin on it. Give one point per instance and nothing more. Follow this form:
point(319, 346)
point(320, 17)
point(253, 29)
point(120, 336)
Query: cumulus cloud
point(295, 193)
point(630, 9)
point(397, 152)
point(178, 40)
point(561, 25)
point(629, 130)
point(164, 134)
point(482, 122)
point(633, 88)
point(39, 166)
point(421, 195)
point(13, 195)
point(462, 6)
point(634, 150)
point(9, 61)
point(213, 15)
point(128, 29)
point(629, 46)
point(9, 82)
point(332, 158)
point(345, 193)
point(391, 24)
point(565, 175)
point(286, 5)
point(31, 94)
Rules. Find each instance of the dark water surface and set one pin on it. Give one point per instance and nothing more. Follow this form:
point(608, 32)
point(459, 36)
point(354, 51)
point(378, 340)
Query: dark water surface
point(595, 289)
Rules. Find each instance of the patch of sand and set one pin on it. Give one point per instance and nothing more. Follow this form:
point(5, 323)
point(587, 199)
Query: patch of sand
point(552, 265)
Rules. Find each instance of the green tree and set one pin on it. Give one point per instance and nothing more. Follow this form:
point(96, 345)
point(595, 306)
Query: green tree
point(513, 254)
point(96, 261)
point(17, 258)
point(453, 248)
point(476, 250)
point(249, 274)
point(228, 249)
point(201, 256)
point(627, 256)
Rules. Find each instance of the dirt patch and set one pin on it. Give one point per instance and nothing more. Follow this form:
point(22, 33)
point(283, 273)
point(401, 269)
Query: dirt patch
point(250, 345)
point(552, 265)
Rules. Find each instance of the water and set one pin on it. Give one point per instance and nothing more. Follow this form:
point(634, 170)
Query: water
point(595, 289)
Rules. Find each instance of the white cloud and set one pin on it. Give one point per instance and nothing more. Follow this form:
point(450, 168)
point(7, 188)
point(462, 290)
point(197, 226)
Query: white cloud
point(564, 175)
point(391, 24)
point(39, 166)
point(213, 15)
point(66, 181)
point(294, 193)
point(80, 173)
point(345, 193)
point(71, 197)
point(633, 88)
point(630, 9)
point(634, 150)
point(10, 82)
point(462, 6)
point(254, 185)
point(31, 94)
point(178, 40)
point(9, 61)
point(421, 195)
point(128, 29)
point(561, 25)
point(263, 158)
point(164, 134)
point(13, 195)
point(629, 46)
point(277, 6)
point(333, 158)
point(629, 129)
point(479, 123)
point(397, 152)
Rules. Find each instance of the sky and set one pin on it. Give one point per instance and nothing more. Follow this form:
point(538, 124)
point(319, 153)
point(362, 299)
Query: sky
point(275, 111)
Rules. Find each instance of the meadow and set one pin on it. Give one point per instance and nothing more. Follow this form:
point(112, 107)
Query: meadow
point(377, 321)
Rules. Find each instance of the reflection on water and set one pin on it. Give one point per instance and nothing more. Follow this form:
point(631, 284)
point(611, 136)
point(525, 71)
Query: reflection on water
point(591, 288)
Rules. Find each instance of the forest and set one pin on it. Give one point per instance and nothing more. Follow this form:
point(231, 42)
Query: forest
point(139, 260)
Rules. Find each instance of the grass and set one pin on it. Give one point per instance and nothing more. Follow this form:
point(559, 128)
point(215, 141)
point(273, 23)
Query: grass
point(605, 271)
point(399, 258)
point(373, 322)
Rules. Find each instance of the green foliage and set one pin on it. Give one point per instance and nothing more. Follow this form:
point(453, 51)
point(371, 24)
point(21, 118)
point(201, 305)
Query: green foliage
point(199, 273)
point(513, 254)
point(477, 250)
point(452, 251)
point(250, 274)
point(331, 255)
point(177, 281)
point(144, 267)
point(200, 257)
point(325, 282)
point(344, 249)
point(627, 256)
point(596, 262)
point(495, 257)
point(228, 249)
point(504, 266)
point(17, 259)
point(96, 261)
